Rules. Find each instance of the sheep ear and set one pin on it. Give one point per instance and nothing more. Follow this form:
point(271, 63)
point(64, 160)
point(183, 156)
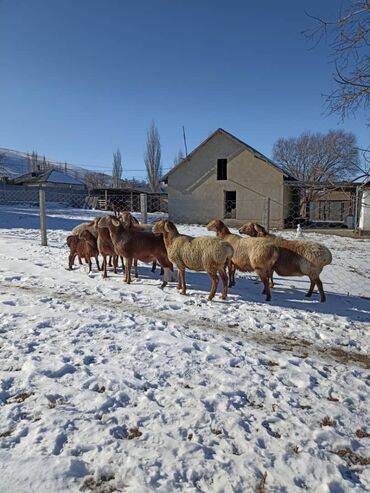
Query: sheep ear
point(259, 228)
point(115, 222)
point(168, 227)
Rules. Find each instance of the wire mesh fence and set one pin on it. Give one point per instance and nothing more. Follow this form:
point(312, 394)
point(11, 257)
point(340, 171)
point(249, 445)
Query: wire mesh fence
point(330, 215)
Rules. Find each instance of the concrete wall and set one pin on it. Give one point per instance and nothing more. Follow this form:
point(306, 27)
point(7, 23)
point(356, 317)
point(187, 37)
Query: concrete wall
point(196, 196)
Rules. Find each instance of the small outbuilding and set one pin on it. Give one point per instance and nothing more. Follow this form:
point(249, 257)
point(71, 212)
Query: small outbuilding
point(50, 178)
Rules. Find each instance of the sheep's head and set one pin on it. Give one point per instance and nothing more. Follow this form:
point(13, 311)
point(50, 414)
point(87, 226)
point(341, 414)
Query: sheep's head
point(102, 222)
point(106, 221)
point(164, 226)
point(128, 219)
point(215, 225)
point(253, 229)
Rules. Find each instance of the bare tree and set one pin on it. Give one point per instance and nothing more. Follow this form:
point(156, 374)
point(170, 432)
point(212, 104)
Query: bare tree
point(349, 40)
point(97, 180)
point(152, 157)
point(179, 157)
point(117, 169)
point(317, 159)
point(34, 163)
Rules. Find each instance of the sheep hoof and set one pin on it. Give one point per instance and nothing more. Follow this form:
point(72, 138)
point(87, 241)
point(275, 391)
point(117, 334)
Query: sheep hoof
point(164, 284)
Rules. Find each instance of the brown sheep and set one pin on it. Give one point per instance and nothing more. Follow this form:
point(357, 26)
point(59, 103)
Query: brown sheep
point(131, 221)
point(134, 244)
point(106, 247)
point(296, 257)
point(85, 246)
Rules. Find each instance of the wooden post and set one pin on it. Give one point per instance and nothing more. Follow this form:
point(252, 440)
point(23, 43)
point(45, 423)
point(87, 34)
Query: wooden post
point(144, 207)
point(106, 199)
point(44, 239)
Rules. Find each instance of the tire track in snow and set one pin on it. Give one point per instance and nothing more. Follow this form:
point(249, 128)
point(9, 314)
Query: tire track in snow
point(279, 343)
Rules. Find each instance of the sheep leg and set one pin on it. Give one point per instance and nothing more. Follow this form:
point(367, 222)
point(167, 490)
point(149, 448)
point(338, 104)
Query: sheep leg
point(179, 281)
point(135, 266)
point(265, 279)
point(232, 269)
point(97, 262)
point(214, 284)
point(166, 276)
point(321, 290)
point(79, 260)
point(104, 266)
point(123, 264)
point(224, 281)
point(71, 260)
point(88, 261)
point(310, 291)
point(271, 283)
point(154, 266)
point(115, 263)
point(182, 280)
point(128, 265)
point(110, 261)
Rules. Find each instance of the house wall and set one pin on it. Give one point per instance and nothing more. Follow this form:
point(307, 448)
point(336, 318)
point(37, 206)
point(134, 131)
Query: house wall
point(195, 194)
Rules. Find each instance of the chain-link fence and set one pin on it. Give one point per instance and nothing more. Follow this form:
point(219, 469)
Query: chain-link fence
point(332, 215)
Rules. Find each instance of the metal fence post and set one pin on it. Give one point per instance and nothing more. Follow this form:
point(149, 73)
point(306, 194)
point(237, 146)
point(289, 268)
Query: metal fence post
point(44, 239)
point(144, 207)
point(356, 221)
point(267, 213)
point(106, 199)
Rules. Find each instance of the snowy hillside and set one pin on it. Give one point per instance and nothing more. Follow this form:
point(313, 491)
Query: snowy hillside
point(107, 387)
point(15, 163)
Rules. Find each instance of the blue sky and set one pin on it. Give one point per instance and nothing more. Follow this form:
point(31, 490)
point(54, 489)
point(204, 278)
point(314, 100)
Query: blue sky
point(80, 77)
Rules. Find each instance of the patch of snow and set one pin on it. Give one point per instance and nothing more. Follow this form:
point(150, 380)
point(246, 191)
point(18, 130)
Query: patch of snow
point(113, 387)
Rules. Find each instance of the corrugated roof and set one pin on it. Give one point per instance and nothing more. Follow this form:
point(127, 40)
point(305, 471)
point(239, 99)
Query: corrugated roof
point(49, 176)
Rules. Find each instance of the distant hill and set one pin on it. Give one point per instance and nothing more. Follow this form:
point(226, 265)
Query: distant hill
point(15, 163)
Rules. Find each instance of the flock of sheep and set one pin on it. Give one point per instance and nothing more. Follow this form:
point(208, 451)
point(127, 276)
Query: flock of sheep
point(122, 237)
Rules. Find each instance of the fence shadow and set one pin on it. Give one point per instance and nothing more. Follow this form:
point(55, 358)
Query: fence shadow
point(16, 217)
point(355, 308)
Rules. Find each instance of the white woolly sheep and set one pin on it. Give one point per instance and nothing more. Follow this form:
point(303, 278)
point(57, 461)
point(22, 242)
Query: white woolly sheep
point(202, 253)
point(296, 257)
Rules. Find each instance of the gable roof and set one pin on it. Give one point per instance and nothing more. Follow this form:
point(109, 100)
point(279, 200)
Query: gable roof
point(228, 134)
point(49, 176)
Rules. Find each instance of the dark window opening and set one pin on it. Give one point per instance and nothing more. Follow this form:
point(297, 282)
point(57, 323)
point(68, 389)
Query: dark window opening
point(230, 205)
point(221, 169)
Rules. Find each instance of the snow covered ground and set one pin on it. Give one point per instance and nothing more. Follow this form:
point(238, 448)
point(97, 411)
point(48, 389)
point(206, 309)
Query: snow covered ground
point(107, 387)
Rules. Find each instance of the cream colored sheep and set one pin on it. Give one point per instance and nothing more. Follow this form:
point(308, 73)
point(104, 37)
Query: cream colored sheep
point(250, 254)
point(90, 227)
point(203, 253)
point(296, 257)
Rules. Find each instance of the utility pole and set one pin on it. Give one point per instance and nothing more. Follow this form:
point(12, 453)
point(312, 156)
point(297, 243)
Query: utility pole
point(186, 147)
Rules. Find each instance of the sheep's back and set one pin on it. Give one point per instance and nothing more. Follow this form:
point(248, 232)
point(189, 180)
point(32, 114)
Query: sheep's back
point(200, 253)
point(90, 227)
point(315, 253)
point(250, 253)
